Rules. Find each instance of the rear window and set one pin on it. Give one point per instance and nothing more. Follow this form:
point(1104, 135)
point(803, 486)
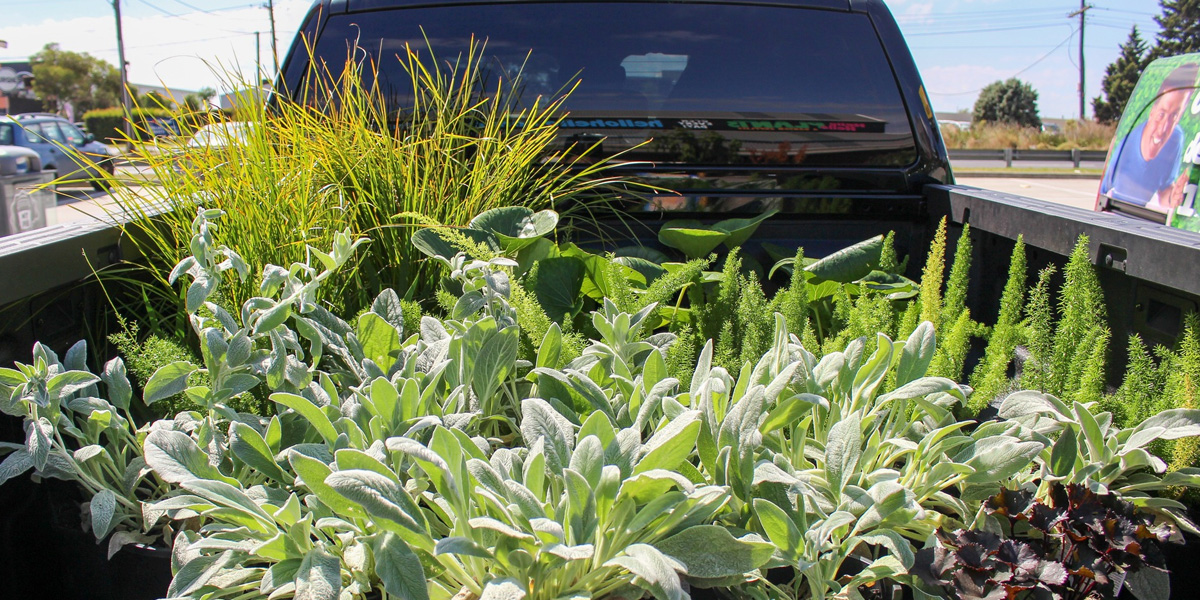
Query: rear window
point(709, 84)
point(6, 135)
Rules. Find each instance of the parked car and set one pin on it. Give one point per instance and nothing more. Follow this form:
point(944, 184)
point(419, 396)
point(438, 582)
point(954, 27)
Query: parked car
point(76, 155)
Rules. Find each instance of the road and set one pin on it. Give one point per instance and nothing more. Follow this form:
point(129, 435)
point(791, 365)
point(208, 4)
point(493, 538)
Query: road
point(1080, 193)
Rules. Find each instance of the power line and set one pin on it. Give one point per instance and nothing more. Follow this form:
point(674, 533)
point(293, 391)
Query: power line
point(1031, 65)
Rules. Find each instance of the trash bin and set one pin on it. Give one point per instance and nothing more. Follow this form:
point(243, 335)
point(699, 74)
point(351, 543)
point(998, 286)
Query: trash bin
point(23, 200)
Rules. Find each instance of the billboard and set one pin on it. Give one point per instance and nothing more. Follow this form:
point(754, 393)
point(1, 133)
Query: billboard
point(1157, 139)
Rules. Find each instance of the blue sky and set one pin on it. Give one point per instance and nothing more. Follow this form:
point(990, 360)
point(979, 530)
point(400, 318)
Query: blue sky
point(959, 45)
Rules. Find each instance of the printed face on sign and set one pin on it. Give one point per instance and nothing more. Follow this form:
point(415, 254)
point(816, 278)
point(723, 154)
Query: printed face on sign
point(1164, 116)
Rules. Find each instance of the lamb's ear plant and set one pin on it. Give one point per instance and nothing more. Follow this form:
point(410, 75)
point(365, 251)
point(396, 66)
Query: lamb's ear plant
point(1085, 447)
point(76, 433)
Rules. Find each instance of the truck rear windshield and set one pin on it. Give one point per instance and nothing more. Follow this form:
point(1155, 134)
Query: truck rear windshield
point(710, 84)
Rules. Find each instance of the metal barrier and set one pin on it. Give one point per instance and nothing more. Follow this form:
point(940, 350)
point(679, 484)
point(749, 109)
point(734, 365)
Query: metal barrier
point(1008, 155)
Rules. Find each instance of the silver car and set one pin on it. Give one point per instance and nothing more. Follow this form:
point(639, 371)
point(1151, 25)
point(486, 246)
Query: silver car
point(62, 146)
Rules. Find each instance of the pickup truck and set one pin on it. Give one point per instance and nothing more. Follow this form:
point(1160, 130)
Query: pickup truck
point(813, 108)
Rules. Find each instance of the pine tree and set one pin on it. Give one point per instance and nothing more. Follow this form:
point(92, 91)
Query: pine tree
point(1180, 28)
point(1121, 77)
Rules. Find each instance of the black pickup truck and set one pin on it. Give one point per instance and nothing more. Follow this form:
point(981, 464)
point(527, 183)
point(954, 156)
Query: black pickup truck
point(813, 108)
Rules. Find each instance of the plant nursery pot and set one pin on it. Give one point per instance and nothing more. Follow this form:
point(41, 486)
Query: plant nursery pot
point(140, 572)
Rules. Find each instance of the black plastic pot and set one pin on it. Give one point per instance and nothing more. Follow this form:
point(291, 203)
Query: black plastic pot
point(140, 572)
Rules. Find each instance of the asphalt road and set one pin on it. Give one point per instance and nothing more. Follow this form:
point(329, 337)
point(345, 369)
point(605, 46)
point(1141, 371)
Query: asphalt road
point(1080, 193)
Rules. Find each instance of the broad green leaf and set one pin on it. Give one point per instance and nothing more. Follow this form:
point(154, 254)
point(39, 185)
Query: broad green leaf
point(381, 497)
point(169, 380)
point(539, 421)
point(311, 412)
point(37, 441)
point(654, 571)
point(176, 458)
point(740, 230)
point(462, 546)
point(647, 486)
point(102, 507)
point(503, 589)
point(515, 226)
point(997, 458)
point(689, 238)
point(1064, 453)
point(246, 444)
point(842, 452)
point(558, 285)
point(780, 528)
point(399, 568)
point(313, 472)
point(115, 378)
point(380, 340)
point(917, 354)
point(436, 242)
point(710, 551)
point(791, 410)
point(1167, 425)
point(273, 317)
point(224, 494)
point(197, 572)
point(550, 349)
point(63, 385)
point(319, 576)
point(670, 445)
point(849, 264)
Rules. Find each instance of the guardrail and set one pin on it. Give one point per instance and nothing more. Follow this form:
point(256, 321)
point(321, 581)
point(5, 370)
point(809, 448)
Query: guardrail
point(1008, 155)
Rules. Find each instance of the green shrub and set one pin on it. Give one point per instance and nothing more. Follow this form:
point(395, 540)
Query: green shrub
point(991, 375)
point(109, 123)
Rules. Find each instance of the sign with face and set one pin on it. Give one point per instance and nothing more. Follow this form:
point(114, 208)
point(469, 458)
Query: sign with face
point(1155, 142)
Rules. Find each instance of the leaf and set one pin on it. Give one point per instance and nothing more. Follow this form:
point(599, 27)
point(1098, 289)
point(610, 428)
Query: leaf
point(686, 237)
point(15, 465)
point(515, 226)
point(311, 412)
point(197, 572)
point(37, 441)
point(710, 551)
point(539, 421)
point(313, 472)
point(1167, 425)
point(380, 339)
point(1030, 402)
point(1063, 455)
point(399, 568)
point(387, 305)
point(461, 546)
point(246, 444)
point(272, 317)
point(917, 354)
point(849, 264)
point(740, 230)
point(842, 452)
point(381, 497)
point(120, 392)
point(176, 458)
point(435, 242)
point(502, 589)
point(319, 576)
point(780, 528)
point(229, 496)
point(791, 410)
point(64, 384)
point(550, 349)
point(169, 380)
point(1149, 583)
point(654, 571)
point(558, 286)
point(997, 458)
point(670, 445)
point(102, 507)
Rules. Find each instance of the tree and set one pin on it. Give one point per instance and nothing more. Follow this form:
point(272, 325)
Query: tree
point(1180, 28)
point(199, 100)
point(61, 76)
point(1121, 77)
point(1011, 101)
point(153, 99)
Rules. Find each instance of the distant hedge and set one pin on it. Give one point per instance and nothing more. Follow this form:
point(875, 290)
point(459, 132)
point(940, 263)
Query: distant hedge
point(107, 123)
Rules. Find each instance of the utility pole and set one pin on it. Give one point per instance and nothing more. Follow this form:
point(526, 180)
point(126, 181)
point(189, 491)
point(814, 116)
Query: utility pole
point(258, 56)
point(125, 100)
point(1082, 14)
point(274, 50)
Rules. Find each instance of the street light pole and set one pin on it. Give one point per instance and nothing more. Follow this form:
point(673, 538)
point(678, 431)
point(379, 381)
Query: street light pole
point(125, 100)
